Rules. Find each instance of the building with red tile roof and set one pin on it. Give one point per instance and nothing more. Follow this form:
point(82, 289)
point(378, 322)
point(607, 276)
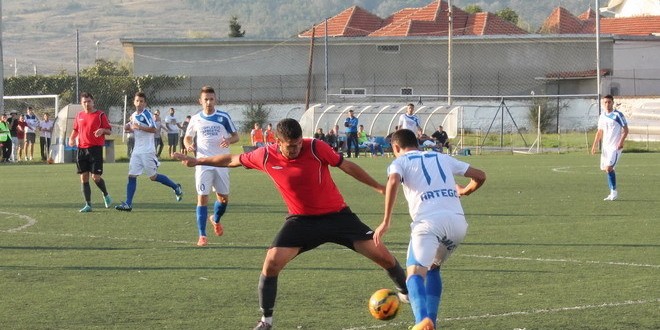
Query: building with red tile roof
point(561, 21)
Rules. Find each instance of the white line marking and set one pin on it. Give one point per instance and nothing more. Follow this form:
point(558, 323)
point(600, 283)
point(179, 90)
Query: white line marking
point(563, 260)
point(535, 311)
point(30, 222)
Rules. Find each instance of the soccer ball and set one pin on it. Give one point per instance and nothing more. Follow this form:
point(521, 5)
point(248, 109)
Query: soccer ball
point(50, 160)
point(384, 304)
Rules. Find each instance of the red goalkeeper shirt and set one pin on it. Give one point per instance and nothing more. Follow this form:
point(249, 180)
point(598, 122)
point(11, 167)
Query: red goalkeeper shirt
point(305, 182)
point(86, 124)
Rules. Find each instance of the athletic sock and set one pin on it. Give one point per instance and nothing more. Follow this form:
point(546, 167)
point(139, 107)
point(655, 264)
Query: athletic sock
point(398, 276)
point(611, 180)
point(101, 185)
point(202, 214)
point(218, 211)
point(87, 193)
point(166, 181)
point(130, 190)
point(267, 293)
point(417, 297)
point(433, 293)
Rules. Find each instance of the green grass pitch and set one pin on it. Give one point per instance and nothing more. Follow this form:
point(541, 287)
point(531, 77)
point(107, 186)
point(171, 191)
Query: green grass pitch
point(543, 251)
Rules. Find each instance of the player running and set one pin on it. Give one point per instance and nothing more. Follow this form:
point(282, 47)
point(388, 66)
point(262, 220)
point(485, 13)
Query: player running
point(143, 157)
point(214, 132)
point(438, 222)
point(299, 167)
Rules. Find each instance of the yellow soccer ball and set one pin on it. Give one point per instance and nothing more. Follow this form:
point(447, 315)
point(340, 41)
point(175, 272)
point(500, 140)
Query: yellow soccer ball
point(384, 304)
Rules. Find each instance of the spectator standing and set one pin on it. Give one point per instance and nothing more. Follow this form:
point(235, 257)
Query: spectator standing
point(158, 139)
point(257, 136)
point(269, 134)
point(13, 126)
point(173, 128)
point(182, 134)
point(5, 139)
point(351, 123)
point(45, 131)
point(30, 133)
point(20, 137)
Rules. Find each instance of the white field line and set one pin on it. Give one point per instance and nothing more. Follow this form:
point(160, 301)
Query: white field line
point(30, 221)
point(562, 260)
point(530, 312)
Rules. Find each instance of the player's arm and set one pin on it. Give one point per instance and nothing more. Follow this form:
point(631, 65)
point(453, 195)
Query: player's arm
point(599, 135)
point(477, 179)
point(391, 189)
point(189, 143)
point(149, 129)
point(72, 137)
point(361, 175)
point(233, 138)
point(226, 160)
point(624, 135)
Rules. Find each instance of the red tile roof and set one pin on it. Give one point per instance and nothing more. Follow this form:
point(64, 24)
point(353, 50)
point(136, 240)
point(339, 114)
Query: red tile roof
point(430, 20)
point(561, 21)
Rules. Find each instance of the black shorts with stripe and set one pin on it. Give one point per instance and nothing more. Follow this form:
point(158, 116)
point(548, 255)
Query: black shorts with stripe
point(310, 231)
point(90, 160)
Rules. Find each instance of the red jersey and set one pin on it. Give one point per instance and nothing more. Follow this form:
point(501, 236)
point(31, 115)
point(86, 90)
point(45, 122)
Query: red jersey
point(305, 182)
point(270, 136)
point(86, 124)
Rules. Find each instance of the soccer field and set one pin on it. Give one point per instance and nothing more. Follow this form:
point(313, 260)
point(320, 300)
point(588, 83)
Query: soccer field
point(543, 251)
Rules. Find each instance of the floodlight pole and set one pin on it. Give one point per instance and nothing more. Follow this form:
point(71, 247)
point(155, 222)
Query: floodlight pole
point(2, 68)
point(326, 61)
point(77, 96)
point(449, 35)
point(598, 82)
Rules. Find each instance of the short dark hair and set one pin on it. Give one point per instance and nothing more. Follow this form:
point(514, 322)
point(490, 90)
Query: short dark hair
point(86, 95)
point(411, 105)
point(289, 129)
point(405, 138)
point(140, 94)
point(206, 89)
point(608, 96)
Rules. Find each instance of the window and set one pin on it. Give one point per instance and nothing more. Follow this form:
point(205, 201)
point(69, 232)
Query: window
point(352, 91)
point(406, 91)
point(388, 48)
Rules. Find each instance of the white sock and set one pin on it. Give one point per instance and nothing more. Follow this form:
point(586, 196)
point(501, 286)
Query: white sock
point(268, 320)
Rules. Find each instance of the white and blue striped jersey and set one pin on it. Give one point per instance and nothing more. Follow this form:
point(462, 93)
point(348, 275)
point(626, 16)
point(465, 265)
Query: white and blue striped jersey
point(210, 131)
point(410, 122)
point(612, 125)
point(144, 141)
point(428, 183)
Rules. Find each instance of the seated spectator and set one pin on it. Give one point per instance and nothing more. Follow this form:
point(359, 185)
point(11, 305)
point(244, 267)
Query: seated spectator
point(441, 139)
point(425, 141)
point(319, 135)
point(332, 139)
point(388, 137)
point(366, 141)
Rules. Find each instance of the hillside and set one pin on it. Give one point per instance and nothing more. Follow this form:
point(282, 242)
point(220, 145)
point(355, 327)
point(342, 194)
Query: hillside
point(42, 37)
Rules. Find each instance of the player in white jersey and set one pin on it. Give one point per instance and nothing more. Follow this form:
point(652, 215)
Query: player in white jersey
point(409, 120)
point(612, 131)
point(143, 157)
point(214, 132)
point(438, 223)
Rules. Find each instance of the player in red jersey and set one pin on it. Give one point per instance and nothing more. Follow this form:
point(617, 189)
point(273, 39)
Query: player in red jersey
point(299, 169)
point(89, 129)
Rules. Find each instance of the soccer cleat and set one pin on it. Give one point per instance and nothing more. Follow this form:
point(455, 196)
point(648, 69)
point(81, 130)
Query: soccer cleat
point(107, 200)
point(263, 326)
point(178, 192)
point(217, 227)
point(123, 207)
point(426, 324)
point(403, 297)
point(202, 241)
point(86, 209)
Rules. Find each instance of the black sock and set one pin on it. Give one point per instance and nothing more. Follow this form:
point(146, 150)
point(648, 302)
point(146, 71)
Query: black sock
point(101, 185)
point(267, 293)
point(398, 276)
point(87, 193)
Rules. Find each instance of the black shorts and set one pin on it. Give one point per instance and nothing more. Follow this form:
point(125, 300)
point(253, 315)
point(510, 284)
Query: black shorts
point(309, 232)
point(90, 160)
point(172, 139)
point(30, 137)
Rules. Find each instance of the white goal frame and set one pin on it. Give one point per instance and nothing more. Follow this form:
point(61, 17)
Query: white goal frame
point(27, 97)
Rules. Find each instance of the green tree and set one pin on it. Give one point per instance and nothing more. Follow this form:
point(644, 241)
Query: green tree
point(473, 9)
point(254, 114)
point(235, 28)
point(508, 14)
